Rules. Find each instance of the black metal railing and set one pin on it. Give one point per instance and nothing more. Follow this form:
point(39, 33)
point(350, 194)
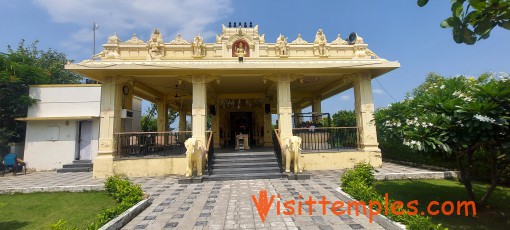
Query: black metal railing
point(210, 154)
point(327, 138)
point(278, 149)
point(135, 144)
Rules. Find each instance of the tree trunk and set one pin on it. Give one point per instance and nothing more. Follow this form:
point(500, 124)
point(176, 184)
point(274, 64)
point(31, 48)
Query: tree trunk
point(493, 159)
point(465, 173)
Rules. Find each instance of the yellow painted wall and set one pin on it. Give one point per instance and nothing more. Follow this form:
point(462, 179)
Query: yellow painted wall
point(339, 160)
point(144, 167)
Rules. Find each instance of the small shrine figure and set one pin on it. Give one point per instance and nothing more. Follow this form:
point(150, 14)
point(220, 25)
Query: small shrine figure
point(240, 52)
point(262, 39)
point(281, 46)
point(155, 46)
point(198, 47)
point(320, 41)
point(218, 39)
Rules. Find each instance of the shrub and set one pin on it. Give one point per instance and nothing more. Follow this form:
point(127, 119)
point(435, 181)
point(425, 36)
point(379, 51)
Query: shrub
point(358, 183)
point(123, 191)
point(362, 173)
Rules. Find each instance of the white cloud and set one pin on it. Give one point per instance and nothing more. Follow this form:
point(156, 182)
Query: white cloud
point(344, 97)
point(189, 18)
point(377, 91)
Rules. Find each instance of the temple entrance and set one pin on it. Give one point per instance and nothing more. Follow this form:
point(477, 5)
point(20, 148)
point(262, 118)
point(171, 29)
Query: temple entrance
point(241, 123)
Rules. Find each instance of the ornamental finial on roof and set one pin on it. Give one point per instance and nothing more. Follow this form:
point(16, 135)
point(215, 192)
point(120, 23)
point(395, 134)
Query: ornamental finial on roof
point(179, 41)
point(240, 30)
point(114, 39)
point(262, 39)
point(134, 40)
point(299, 40)
point(338, 41)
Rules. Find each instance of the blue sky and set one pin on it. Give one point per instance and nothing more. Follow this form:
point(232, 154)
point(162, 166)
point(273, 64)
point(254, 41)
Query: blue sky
point(396, 30)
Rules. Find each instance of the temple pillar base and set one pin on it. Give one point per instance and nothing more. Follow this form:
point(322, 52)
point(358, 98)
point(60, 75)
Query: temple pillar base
point(103, 165)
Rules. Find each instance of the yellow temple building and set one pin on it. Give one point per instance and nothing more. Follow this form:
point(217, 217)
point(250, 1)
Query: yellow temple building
point(238, 82)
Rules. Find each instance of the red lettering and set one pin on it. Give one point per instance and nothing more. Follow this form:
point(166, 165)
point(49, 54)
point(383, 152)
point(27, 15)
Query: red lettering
point(324, 202)
point(412, 207)
point(371, 212)
point(287, 205)
point(263, 204)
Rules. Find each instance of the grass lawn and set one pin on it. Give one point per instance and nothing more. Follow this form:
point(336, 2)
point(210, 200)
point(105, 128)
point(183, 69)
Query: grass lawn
point(40, 210)
point(495, 216)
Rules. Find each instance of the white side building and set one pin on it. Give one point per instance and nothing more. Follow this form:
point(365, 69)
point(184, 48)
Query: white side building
point(63, 125)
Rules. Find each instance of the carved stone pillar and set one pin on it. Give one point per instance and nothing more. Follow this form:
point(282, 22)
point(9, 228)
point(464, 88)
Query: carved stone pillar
point(317, 109)
point(162, 115)
point(364, 108)
point(110, 123)
point(284, 106)
point(199, 108)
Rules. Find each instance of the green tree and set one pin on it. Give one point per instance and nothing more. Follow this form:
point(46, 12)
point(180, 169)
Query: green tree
point(457, 116)
point(344, 118)
point(474, 20)
point(150, 121)
point(19, 69)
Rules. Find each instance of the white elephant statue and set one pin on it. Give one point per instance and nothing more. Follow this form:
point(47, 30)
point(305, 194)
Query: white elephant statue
point(195, 155)
point(292, 154)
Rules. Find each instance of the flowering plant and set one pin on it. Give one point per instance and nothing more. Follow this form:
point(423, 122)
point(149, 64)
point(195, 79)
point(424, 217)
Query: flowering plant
point(458, 116)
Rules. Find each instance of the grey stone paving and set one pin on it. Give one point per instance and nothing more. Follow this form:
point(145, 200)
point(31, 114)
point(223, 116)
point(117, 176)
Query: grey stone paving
point(221, 205)
point(228, 205)
point(49, 182)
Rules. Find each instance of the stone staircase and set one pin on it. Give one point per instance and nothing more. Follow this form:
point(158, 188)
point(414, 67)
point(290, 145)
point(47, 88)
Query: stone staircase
point(244, 166)
point(77, 166)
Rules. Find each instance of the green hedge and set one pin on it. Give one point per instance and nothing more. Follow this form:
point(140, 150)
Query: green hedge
point(358, 183)
point(123, 191)
point(395, 150)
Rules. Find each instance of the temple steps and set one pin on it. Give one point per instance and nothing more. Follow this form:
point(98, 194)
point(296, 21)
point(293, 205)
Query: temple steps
point(244, 155)
point(77, 166)
point(229, 170)
point(244, 166)
point(245, 160)
point(244, 176)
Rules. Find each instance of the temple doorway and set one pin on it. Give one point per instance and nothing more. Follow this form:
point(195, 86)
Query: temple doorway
point(241, 123)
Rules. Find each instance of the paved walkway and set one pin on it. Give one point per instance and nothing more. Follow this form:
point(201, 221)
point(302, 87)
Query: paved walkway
point(220, 205)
